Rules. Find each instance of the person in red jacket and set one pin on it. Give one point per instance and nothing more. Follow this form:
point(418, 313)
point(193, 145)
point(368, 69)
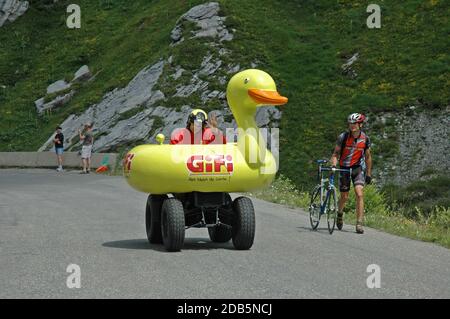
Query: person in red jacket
point(198, 130)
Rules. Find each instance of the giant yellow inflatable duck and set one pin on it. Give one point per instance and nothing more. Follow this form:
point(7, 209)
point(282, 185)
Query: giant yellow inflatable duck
point(234, 167)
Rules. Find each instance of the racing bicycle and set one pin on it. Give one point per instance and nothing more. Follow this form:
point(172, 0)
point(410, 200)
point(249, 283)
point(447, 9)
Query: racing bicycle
point(323, 197)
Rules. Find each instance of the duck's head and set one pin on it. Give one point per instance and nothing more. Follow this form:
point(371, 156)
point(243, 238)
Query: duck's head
point(250, 89)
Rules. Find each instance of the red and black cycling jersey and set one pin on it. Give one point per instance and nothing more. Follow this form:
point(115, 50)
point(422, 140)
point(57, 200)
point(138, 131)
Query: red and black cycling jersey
point(353, 150)
point(185, 136)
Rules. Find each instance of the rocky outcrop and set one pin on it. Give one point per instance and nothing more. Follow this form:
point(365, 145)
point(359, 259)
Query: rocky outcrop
point(58, 101)
point(209, 24)
point(83, 74)
point(107, 116)
point(347, 67)
point(422, 137)
point(61, 86)
point(58, 86)
point(137, 113)
point(10, 10)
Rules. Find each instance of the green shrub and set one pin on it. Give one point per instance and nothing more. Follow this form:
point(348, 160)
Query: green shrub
point(374, 201)
point(441, 217)
point(421, 196)
point(190, 55)
point(283, 191)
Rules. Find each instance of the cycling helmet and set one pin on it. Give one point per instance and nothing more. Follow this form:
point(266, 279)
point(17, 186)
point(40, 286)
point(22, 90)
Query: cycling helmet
point(197, 115)
point(356, 118)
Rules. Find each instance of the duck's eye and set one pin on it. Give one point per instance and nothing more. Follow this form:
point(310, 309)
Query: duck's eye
point(246, 80)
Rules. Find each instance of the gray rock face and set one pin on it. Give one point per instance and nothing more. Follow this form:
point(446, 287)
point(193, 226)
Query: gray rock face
point(140, 126)
point(233, 69)
point(58, 86)
point(347, 66)
point(59, 101)
point(267, 115)
point(39, 103)
point(106, 115)
point(202, 12)
point(207, 20)
point(209, 67)
point(177, 34)
point(10, 10)
point(423, 144)
point(178, 72)
point(82, 74)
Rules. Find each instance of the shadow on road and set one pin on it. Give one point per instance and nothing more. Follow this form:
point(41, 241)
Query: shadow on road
point(304, 229)
point(319, 230)
point(205, 243)
point(189, 244)
point(136, 244)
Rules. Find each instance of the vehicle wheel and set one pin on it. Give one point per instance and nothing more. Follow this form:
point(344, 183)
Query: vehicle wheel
point(153, 218)
point(314, 208)
point(172, 224)
point(243, 231)
point(331, 210)
point(220, 234)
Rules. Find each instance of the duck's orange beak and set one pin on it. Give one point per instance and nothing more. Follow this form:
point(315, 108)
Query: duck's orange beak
point(267, 97)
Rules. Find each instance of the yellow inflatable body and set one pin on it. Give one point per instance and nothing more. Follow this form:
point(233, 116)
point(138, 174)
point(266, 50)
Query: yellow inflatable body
point(233, 167)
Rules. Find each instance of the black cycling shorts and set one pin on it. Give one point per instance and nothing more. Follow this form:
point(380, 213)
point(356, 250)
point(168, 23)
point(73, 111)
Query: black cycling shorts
point(358, 178)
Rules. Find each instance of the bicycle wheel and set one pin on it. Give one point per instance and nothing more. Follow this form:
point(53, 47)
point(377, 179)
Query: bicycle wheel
point(314, 208)
point(331, 210)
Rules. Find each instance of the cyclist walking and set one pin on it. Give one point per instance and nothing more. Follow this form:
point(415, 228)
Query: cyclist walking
point(353, 151)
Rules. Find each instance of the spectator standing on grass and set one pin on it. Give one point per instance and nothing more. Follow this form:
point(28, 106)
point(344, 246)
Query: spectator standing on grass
point(59, 147)
point(86, 150)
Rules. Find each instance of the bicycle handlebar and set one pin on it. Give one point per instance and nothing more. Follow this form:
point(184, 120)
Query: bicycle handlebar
point(333, 169)
point(329, 169)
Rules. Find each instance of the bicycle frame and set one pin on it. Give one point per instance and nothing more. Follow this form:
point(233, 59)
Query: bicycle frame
point(327, 202)
point(330, 184)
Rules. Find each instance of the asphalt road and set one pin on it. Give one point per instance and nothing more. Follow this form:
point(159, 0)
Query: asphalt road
point(49, 220)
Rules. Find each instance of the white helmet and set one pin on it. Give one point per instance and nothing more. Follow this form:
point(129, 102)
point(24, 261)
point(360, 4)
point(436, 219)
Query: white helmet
point(356, 118)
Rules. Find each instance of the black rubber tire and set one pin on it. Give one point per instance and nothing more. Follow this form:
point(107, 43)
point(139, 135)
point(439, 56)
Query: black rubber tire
point(314, 208)
point(172, 224)
point(243, 231)
point(332, 211)
point(153, 218)
point(220, 234)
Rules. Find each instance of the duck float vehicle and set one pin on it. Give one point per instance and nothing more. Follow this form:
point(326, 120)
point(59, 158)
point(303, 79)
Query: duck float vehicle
point(189, 185)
